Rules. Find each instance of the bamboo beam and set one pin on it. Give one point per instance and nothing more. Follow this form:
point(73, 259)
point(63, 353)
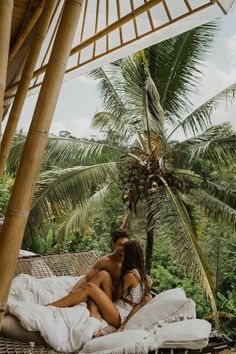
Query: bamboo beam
point(107, 24)
point(52, 37)
point(118, 16)
point(82, 29)
point(6, 7)
point(96, 26)
point(150, 18)
point(111, 27)
point(26, 31)
point(41, 31)
point(21, 198)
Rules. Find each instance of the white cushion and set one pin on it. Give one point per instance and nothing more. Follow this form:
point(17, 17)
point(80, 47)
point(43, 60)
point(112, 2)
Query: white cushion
point(189, 334)
point(137, 342)
point(176, 292)
point(169, 306)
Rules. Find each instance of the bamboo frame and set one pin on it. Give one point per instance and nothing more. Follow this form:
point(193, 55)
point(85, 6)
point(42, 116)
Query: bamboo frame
point(26, 77)
point(28, 28)
point(6, 8)
point(19, 205)
point(104, 33)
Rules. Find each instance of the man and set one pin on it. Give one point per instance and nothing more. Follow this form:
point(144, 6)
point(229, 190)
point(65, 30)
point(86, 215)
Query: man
point(110, 263)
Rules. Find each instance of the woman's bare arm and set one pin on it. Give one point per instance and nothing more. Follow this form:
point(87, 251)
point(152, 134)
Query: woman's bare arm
point(129, 280)
point(144, 301)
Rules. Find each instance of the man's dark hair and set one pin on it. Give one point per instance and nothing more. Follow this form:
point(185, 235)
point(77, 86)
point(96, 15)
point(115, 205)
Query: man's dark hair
point(119, 233)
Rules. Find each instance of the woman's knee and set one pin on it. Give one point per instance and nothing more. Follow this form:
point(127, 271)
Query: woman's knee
point(105, 275)
point(91, 287)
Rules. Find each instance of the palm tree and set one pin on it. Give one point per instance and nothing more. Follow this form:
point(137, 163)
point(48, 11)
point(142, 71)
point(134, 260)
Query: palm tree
point(147, 98)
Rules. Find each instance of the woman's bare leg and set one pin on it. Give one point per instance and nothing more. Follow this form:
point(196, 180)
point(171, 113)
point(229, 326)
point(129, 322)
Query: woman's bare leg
point(105, 305)
point(103, 281)
point(93, 309)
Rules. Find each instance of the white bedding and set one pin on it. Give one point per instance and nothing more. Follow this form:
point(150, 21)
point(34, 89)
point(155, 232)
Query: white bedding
point(65, 329)
point(68, 329)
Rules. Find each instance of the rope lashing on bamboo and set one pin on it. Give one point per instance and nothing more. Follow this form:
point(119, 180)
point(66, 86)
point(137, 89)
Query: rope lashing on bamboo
point(23, 213)
point(38, 131)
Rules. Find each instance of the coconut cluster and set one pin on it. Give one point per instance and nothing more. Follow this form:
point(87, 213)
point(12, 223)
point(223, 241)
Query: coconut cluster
point(141, 180)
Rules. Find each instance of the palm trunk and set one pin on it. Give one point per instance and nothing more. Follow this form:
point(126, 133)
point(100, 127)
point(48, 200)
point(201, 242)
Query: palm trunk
point(149, 247)
point(126, 221)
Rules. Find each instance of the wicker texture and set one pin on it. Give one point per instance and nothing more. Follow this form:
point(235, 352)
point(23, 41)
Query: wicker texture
point(62, 264)
point(73, 264)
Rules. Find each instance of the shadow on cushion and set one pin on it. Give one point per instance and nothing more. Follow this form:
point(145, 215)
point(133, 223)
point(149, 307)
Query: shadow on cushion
point(12, 328)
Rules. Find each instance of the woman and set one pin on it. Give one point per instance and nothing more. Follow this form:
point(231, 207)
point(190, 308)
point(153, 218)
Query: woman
point(131, 294)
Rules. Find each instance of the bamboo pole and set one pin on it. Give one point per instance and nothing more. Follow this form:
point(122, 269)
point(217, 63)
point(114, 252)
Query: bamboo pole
point(26, 77)
point(6, 7)
point(27, 30)
point(19, 205)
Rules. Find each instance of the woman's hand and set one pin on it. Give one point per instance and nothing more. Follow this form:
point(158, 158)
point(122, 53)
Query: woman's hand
point(149, 281)
point(101, 333)
point(120, 329)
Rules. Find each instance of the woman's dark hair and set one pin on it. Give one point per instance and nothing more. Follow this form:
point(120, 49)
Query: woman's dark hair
point(119, 233)
point(134, 259)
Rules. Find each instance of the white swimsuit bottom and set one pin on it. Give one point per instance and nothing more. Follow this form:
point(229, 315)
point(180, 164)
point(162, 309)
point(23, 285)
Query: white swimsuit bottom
point(124, 309)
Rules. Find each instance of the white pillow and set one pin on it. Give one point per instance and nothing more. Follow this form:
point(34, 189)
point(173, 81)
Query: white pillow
point(127, 342)
point(176, 292)
point(170, 306)
point(189, 334)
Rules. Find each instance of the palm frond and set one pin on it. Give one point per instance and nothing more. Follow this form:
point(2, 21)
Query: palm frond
point(119, 130)
point(78, 218)
point(224, 194)
point(155, 108)
point(216, 208)
point(15, 152)
point(200, 118)
point(73, 152)
point(216, 145)
point(66, 152)
point(71, 184)
point(171, 216)
point(142, 97)
point(60, 191)
point(109, 80)
point(179, 68)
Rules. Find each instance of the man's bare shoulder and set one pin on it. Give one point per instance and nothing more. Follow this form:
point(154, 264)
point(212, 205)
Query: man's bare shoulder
point(105, 260)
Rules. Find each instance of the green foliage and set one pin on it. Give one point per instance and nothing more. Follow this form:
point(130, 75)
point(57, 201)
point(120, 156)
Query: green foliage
point(168, 274)
point(5, 187)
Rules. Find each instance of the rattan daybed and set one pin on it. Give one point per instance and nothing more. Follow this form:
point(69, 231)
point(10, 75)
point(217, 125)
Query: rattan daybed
point(77, 264)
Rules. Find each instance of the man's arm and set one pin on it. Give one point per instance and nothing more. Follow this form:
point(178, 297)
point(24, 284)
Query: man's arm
point(144, 301)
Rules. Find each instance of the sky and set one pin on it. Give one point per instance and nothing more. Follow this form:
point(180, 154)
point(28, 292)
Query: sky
point(79, 99)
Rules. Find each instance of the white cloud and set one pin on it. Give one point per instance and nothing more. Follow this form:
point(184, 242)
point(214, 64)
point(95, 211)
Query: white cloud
point(214, 81)
point(56, 127)
point(231, 48)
